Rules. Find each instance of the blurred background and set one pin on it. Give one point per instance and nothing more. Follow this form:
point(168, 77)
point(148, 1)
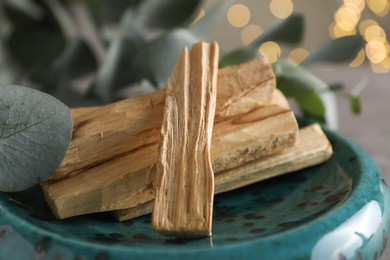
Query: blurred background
point(88, 52)
point(247, 19)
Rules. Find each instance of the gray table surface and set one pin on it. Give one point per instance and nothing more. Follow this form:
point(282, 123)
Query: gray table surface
point(371, 129)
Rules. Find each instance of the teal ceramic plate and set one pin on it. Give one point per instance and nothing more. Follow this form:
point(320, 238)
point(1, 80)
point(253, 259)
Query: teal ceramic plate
point(337, 210)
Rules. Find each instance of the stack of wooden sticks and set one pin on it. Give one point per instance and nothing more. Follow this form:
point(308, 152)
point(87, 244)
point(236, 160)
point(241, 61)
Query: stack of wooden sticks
point(110, 164)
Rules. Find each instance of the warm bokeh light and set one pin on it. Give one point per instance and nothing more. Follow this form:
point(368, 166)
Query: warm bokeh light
point(387, 46)
point(298, 55)
point(379, 7)
point(250, 32)
point(356, 5)
point(376, 51)
point(386, 63)
point(379, 68)
point(281, 8)
point(271, 51)
point(363, 25)
point(238, 15)
point(201, 14)
point(336, 32)
point(346, 18)
point(374, 32)
point(360, 58)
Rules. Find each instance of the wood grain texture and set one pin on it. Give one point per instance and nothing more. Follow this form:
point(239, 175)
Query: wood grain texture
point(242, 88)
point(103, 134)
point(312, 148)
point(124, 135)
point(184, 192)
point(263, 131)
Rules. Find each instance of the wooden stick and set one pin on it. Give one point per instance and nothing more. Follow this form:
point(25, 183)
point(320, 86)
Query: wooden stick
point(184, 193)
point(311, 149)
point(109, 132)
point(127, 181)
point(242, 88)
point(79, 112)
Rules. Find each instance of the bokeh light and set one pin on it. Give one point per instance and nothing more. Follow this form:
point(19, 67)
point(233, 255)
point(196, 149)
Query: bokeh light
point(250, 32)
point(376, 51)
point(298, 55)
point(346, 18)
point(379, 7)
point(356, 5)
point(238, 15)
point(281, 8)
point(360, 58)
point(336, 32)
point(363, 25)
point(271, 51)
point(374, 32)
point(386, 63)
point(379, 68)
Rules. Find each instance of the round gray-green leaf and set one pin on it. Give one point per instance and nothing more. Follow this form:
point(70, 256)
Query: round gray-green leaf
point(35, 131)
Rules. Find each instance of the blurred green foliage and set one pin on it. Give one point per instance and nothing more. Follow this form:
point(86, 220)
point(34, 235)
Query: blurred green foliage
point(88, 52)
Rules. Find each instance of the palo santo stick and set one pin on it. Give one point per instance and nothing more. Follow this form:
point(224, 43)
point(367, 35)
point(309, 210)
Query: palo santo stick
point(261, 132)
point(311, 149)
point(184, 194)
point(237, 92)
point(107, 133)
point(78, 112)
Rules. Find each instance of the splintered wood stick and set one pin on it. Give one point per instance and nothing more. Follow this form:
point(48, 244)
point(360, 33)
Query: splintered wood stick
point(311, 149)
point(184, 192)
point(103, 134)
point(126, 133)
point(128, 180)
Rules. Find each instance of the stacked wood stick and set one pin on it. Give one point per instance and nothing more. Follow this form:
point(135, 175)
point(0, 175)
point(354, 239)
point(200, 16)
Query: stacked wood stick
point(111, 162)
point(184, 192)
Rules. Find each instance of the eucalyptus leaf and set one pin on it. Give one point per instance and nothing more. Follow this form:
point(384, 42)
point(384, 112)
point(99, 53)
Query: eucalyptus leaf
point(130, 25)
point(339, 50)
point(296, 81)
point(35, 131)
point(108, 11)
point(239, 56)
point(211, 21)
point(355, 104)
point(8, 71)
point(157, 59)
point(34, 50)
point(115, 73)
point(64, 20)
point(76, 60)
point(312, 105)
point(34, 45)
point(21, 12)
point(167, 13)
point(289, 31)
